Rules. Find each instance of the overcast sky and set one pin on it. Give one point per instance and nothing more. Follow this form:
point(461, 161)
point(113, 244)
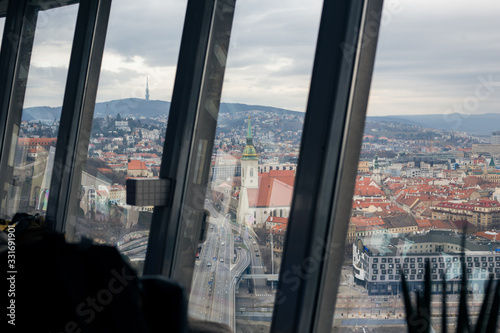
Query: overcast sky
point(432, 57)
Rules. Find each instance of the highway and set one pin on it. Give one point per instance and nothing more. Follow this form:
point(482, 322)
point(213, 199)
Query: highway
point(215, 273)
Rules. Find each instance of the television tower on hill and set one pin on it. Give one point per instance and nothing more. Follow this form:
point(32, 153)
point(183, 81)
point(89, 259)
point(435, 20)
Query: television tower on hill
point(147, 89)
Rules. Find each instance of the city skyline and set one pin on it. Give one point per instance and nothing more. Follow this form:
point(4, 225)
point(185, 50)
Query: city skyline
point(430, 59)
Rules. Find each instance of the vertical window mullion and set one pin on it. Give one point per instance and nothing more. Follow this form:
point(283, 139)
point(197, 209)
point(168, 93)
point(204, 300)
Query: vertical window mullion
point(180, 128)
point(192, 122)
point(364, 59)
point(15, 57)
point(77, 111)
point(302, 275)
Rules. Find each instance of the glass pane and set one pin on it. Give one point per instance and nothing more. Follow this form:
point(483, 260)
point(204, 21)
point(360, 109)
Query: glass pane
point(2, 24)
point(35, 132)
point(253, 162)
point(130, 118)
point(428, 166)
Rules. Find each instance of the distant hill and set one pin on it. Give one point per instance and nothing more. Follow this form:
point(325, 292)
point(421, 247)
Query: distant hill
point(139, 107)
point(478, 124)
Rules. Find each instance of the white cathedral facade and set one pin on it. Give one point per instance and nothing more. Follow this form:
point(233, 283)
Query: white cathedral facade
point(262, 195)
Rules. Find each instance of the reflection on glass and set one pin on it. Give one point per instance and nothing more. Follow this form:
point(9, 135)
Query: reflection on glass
point(130, 118)
point(2, 23)
point(34, 139)
point(428, 168)
point(253, 163)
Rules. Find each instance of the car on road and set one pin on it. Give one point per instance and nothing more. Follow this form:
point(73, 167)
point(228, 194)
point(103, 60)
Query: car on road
point(254, 243)
point(221, 259)
point(222, 243)
point(256, 254)
point(255, 249)
point(209, 264)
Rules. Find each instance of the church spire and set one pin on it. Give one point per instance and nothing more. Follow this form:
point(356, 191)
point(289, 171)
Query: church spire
point(249, 133)
point(147, 88)
point(249, 152)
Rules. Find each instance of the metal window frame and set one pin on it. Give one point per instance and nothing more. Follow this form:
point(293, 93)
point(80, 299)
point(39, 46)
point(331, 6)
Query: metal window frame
point(77, 113)
point(331, 141)
point(15, 57)
point(200, 74)
point(17, 44)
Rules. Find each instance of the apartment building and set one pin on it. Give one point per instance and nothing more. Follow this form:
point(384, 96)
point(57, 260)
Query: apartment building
point(379, 261)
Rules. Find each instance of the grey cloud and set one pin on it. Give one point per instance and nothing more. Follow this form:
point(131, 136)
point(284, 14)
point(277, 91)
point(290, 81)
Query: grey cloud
point(431, 55)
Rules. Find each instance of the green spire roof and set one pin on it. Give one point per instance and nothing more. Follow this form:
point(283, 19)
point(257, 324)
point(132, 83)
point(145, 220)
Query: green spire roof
point(492, 163)
point(249, 153)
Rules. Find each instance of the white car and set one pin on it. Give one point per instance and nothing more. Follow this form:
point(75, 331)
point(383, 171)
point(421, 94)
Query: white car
point(221, 259)
point(222, 243)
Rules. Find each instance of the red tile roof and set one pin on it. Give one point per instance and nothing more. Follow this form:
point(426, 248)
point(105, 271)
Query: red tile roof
point(36, 141)
point(443, 224)
point(137, 165)
point(491, 235)
point(275, 189)
point(276, 219)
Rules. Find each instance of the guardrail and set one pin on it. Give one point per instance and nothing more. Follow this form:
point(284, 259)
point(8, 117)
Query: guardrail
point(235, 280)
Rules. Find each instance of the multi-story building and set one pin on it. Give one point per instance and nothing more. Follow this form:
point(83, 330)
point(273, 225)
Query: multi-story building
point(402, 223)
point(117, 194)
point(363, 167)
point(380, 260)
point(491, 149)
point(495, 138)
point(484, 214)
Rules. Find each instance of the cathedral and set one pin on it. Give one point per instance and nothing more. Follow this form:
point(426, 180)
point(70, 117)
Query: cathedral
point(262, 194)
